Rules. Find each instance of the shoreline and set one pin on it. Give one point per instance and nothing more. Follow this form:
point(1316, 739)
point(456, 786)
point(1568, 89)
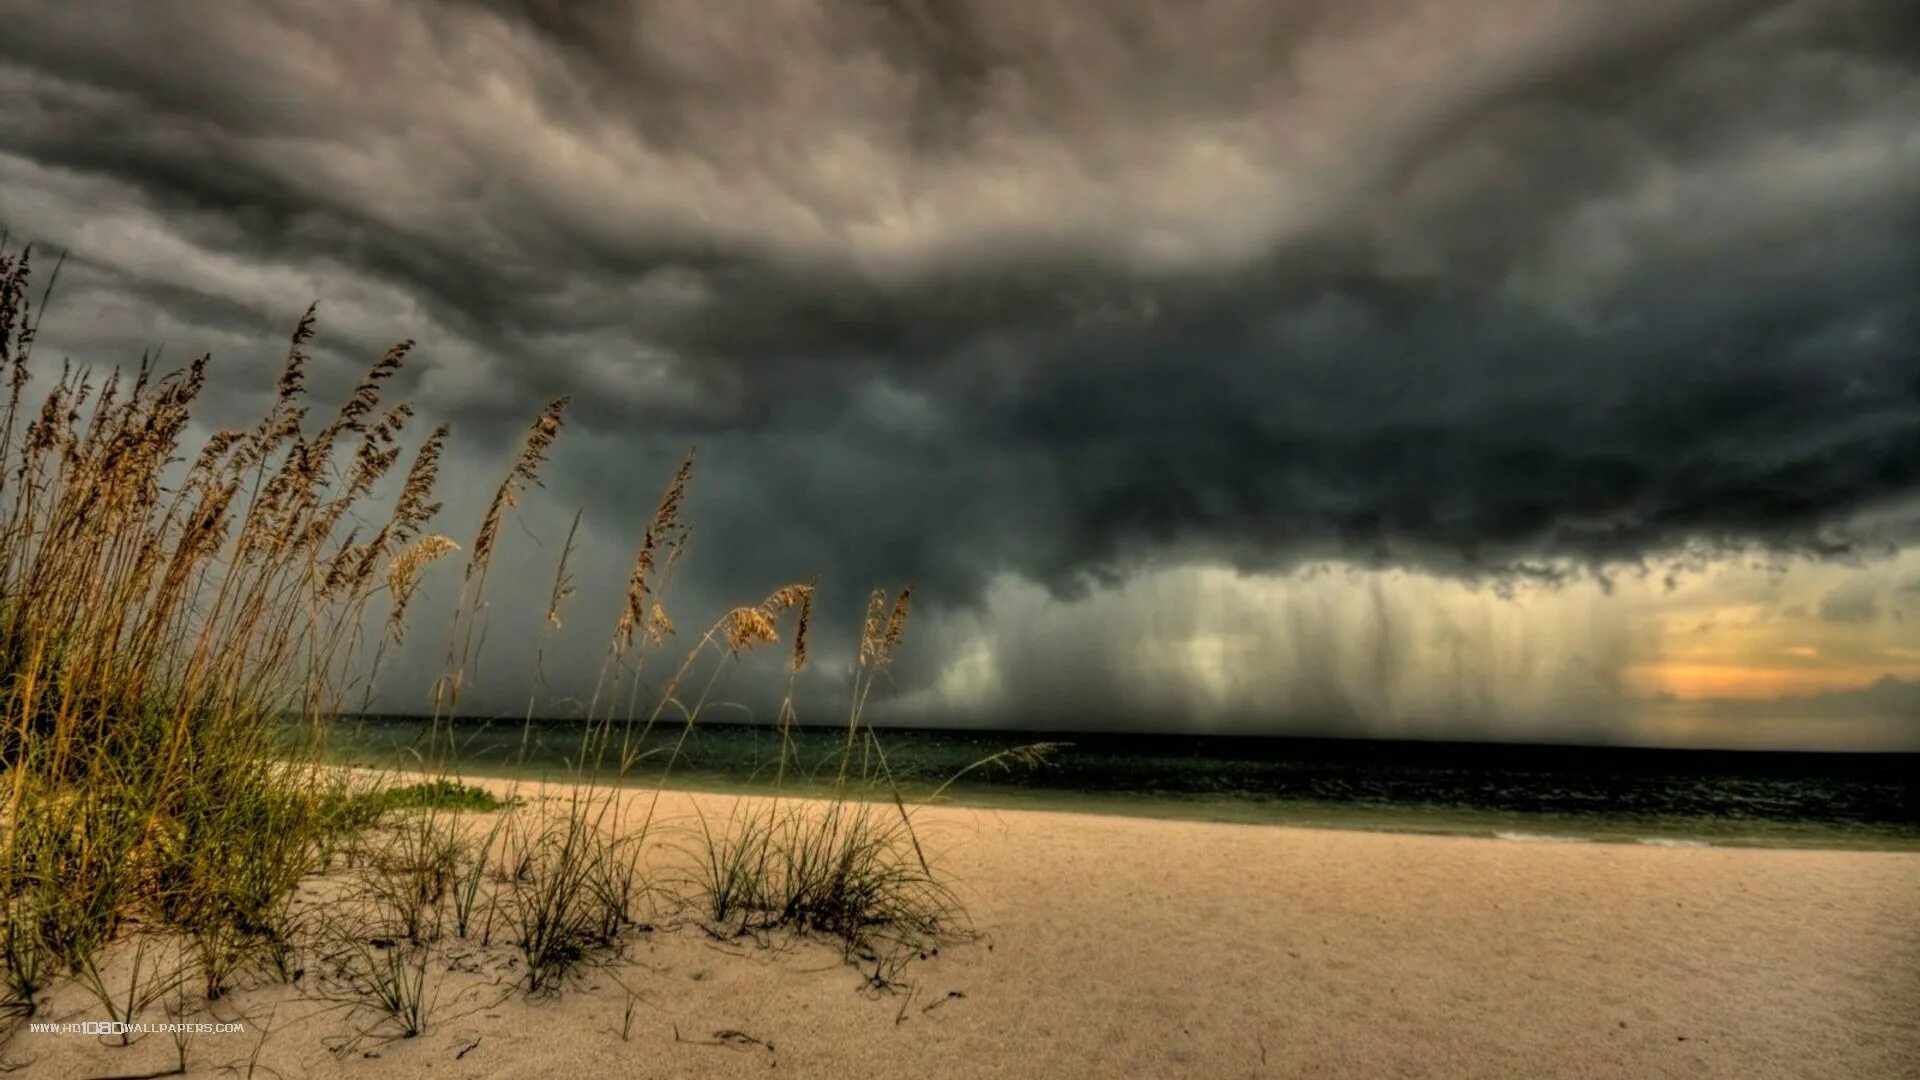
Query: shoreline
point(1237, 810)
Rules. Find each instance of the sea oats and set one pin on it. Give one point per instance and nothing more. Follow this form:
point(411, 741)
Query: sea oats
point(803, 618)
point(403, 576)
point(662, 532)
point(787, 596)
point(366, 396)
point(883, 627)
point(340, 568)
point(415, 505)
point(897, 621)
point(524, 473)
point(873, 628)
point(746, 627)
point(562, 578)
point(659, 625)
point(293, 373)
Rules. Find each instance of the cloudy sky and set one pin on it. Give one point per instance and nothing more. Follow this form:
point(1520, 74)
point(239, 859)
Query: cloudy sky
point(1446, 368)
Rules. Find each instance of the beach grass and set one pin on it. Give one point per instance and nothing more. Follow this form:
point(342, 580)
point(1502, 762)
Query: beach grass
point(169, 613)
point(159, 617)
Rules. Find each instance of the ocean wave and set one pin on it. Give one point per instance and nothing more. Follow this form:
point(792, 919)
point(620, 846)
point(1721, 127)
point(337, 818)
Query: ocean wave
point(1547, 838)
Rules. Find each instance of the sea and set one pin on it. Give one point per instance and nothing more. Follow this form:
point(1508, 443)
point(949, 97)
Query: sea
point(1598, 794)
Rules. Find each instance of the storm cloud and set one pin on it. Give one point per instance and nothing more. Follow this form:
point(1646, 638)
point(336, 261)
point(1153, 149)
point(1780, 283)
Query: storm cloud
point(1053, 292)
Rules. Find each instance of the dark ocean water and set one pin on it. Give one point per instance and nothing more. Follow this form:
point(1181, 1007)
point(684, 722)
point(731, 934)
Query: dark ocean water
point(1518, 792)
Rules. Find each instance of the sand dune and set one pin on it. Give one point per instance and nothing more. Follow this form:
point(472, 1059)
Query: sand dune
point(1131, 947)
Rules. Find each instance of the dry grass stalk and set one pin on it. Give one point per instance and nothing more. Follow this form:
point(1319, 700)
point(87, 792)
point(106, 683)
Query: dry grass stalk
point(664, 532)
point(524, 473)
point(403, 576)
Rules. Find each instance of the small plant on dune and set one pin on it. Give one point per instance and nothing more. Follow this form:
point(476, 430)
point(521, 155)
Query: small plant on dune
point(627, 1012)
point(389, 982)
point(558, 917)
point(858, 872)
point(440, 793)
point(616, 882)
point(23, 962)
point(853, 873)
point(855, 870)
point(177, 1011)
point(466, 887)
point(147, 981)
point(517, 850)
point(420, 867)
point(399, 987)
point(733, 864)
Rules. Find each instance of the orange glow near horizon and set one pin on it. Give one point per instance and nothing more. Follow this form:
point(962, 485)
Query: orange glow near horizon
point(1739, 635)
point(1693, 681)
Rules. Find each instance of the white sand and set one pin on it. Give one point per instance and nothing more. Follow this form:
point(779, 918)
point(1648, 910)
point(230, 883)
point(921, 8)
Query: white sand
point(1132, 947)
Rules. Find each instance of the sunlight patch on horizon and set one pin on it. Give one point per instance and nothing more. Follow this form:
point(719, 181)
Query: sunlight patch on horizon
point(1755, 682)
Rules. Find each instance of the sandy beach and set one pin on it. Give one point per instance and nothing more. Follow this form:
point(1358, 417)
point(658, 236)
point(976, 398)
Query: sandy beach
point(1112, 946)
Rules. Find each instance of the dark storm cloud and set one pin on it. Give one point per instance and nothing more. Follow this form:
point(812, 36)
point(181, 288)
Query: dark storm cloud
point(952, 289)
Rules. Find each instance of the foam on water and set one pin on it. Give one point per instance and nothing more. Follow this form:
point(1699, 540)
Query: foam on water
point(1541, 838)
point(1669, 841)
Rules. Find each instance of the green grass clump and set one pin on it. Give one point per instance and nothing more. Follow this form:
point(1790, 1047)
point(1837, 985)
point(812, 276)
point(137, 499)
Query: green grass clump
point(439, 793)
point(571, 890)
point(384, 989)
point(415, 872)
point(847, 869)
